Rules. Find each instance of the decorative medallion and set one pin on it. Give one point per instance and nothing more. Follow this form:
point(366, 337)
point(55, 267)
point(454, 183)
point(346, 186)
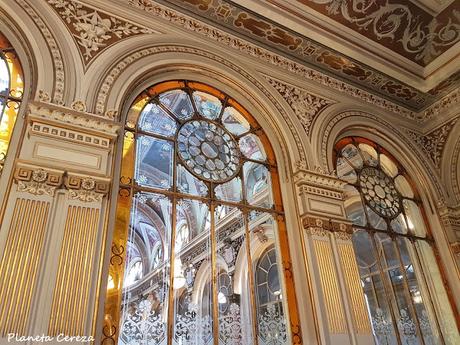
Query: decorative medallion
point(379, 192)
point(208, 150)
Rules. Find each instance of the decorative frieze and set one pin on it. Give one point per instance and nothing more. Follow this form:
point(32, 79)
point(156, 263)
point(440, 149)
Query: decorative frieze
point(85, 188)
point(329, 225)
point(39, 180)
point(36, 180)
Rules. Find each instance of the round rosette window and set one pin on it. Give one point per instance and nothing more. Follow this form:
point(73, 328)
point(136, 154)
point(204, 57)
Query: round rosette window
point(208, 150)
point(379, 192)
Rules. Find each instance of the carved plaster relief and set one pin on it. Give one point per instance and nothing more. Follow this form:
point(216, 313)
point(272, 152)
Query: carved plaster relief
point(433, 143)
point(307, 106)
point(93, 30)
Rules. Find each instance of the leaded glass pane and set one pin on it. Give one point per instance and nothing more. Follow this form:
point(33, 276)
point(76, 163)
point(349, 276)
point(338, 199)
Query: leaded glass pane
point(352, 154)
point(154, 162)
point(354, 206)
point(257, 185)
point(189, 184)
point(4, 77)
point(178, 102)
point(157, 121)
point(345, 171)
point(415, 219)
point(388, 166)
point(252, 148)
point(207, 105)
point(403, 187)
point(230, 191)
point(234, 122)
point(369, 154)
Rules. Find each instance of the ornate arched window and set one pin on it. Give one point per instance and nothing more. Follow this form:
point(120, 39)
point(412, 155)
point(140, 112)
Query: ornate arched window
point(199, 169)
point(11, 91)
point(395, 252)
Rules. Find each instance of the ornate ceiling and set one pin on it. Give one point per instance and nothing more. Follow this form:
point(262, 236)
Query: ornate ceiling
point(404, 45)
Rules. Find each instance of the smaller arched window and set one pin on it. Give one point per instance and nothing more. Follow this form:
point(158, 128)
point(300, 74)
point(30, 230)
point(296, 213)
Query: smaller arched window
point(395, 252)
point(11, 91)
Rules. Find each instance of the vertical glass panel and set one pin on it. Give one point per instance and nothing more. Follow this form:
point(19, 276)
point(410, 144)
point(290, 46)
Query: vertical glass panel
point(438, 295)
point(233, 294)
point(189, 184)
point(192, 287)
point(257, 185)
point(351, 153)
point(354, 206)
point(207, 105)
point(178, 102)
point(425, 321)
point(230, 191)
point(415, 219)
point(145, 301)
point(403, 187)
point(345, 171)
point(252, 148)
point(379, 310)
point(267, 280)
point(365, 254)
point(369, 154)
point(234, 122)
point(388, 166)
point(135, 111)
point(154, 163)
point(156, 120)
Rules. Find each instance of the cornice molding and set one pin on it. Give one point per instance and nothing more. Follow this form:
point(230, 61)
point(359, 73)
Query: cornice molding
point(42, 180)
point(71, 117)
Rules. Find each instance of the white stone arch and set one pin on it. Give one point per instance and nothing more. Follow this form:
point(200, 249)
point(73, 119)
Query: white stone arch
point(427, 182)
point(121, 83)
point(450, 169)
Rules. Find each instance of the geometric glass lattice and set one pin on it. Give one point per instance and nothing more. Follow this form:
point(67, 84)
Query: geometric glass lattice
point(208, 150)
point(379, 192)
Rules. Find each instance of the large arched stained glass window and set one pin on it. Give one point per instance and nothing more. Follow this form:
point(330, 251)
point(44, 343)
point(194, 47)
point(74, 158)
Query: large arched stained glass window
point(403, 287)
point(199, 186)
point(11, 91)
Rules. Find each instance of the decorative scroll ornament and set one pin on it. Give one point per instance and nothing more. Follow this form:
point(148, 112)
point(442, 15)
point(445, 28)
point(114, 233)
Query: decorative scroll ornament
point(433, 143)
point(272, 327)
point(230, 326)
point(191, 329)
point(406, 326)
point(383, 327)
point(141, 326)
point(426, 40)
point(304, 104)
point(93, 30)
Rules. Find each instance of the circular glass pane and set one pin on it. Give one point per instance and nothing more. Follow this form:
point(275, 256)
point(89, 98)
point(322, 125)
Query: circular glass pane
point(379, 192)
point(208, 150)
